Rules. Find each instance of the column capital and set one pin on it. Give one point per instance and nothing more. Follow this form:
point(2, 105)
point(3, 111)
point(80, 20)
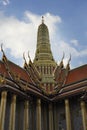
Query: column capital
point(66, 101)
point(82, 103)
point(4, 94)
point(14, 98)
point(26, 104)
point(38, 101)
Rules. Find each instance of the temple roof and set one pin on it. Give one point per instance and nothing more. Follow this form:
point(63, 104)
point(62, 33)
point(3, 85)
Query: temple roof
point(3, 69)
point(76, 80)
point(77, 75)
point(19, 72)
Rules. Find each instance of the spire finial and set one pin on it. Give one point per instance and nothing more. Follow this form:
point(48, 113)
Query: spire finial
point(24, 57)
point(2, 49)
point(69, 59)
point(63, 56)
point(29, 56)
point(42, 19)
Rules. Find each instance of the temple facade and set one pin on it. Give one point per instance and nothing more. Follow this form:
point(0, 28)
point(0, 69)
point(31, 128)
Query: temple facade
point(43, 95)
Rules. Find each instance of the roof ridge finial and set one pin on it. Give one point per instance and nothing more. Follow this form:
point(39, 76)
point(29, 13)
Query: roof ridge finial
point(24, 57)
point(2, 48)
point(63, 56)
point(29, 56)
point(68, 64)
point(42, 19)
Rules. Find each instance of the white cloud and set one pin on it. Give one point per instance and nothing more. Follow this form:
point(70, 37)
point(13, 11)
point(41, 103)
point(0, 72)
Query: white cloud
point(83, 53)
point(61, 46)
point(5, 2)
point(20, 36)
point(74, 42)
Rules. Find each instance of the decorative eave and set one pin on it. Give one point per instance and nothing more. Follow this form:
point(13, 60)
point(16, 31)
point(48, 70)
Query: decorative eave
point(34, 69)
point(60, 74)
point(28, 89)
point(71, 90)
point(30, 69)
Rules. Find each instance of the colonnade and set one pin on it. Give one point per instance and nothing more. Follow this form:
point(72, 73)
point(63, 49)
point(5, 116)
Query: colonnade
point(12, 112)
point(38, 113)
point(68, 117)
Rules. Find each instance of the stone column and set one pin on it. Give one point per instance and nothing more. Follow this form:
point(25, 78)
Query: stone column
point(26, 115)
point(50, 116)
point(3, 109)
point(12, 113)
point(67, 111)
point(84, 118)
point(45, 117)
point(55, 118)
point(38, 116)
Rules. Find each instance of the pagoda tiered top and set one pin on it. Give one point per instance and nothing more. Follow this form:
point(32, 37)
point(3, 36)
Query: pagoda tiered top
point(43, 50)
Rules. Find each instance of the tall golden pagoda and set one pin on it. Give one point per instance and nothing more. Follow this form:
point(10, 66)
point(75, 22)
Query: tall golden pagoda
point(44, 61)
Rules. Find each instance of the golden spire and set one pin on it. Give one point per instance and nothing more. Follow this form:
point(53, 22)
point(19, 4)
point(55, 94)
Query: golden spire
point(43, 50)
point(42, 19)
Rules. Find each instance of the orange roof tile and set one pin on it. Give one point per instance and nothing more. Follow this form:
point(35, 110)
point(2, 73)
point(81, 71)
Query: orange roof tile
point(18, 71)
point(76, 75)
point(3, 70)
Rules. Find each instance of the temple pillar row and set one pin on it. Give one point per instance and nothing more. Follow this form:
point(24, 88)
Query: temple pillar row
point(12, 112)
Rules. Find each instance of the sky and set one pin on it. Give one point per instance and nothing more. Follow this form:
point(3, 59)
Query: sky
point(65, 19)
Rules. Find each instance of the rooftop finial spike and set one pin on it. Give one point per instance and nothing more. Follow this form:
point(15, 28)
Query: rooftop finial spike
point(2, 48)
point(29, 56)
point(63, 56)
point(24, 57)
point(69, 59)
point(42, 19)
